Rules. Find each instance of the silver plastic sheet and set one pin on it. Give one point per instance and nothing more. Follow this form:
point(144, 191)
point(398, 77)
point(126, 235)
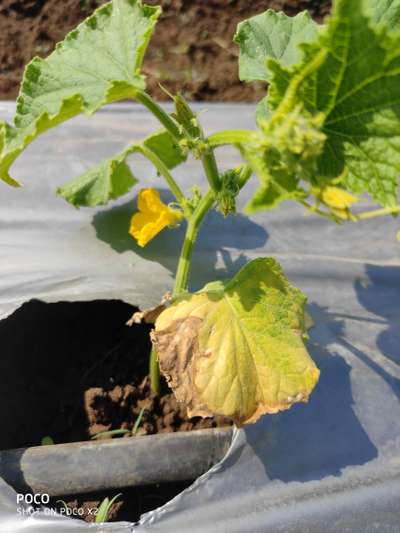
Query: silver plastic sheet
point(331, 465)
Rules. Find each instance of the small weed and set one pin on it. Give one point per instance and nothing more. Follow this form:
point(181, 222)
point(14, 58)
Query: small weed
point(118, 432)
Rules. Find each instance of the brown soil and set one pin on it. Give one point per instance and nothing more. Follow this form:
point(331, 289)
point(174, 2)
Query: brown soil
point(191, 50)
point(70, 370)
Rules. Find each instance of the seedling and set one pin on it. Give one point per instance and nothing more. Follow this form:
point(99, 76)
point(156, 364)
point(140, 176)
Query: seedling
point(102, 513)
point(47, 441)
point(118, 432)
point(104, 509)
point(327, 135)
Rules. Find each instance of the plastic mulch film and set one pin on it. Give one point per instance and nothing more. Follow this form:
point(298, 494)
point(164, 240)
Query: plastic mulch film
point(331, 465)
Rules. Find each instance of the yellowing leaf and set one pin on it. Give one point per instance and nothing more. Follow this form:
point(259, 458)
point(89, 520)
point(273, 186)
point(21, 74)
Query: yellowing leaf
point(153, 217)
point(238, 349)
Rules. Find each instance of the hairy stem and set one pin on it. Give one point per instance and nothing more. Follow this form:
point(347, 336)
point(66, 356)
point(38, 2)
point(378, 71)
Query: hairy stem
point(181, 279)
point(207, 159)
point(182, 274)
point(222, 138)
point(165, 119)
point(378, 213)
point(211, 169)
point(313, 209)
point(244, 176)
point(154, 371)
point(163, 170)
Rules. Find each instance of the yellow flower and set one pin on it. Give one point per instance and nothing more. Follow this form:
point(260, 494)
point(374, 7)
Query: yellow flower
point(339, 201)
point(153, 216)
point(337, 198)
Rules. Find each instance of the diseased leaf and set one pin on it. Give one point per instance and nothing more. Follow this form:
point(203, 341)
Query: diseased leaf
point(97, 63)
point(271, 35)
point(237, 349)
point(149, 316)
point(357, 89)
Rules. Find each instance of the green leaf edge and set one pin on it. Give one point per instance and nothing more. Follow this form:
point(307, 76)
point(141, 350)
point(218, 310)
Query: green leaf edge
point(112, 166)
point(71, 188)
point(71, 106)
point(279, 17)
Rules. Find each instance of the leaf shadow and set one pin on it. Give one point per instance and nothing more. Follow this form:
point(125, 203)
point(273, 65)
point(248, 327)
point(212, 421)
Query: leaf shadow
point(321, 438)
point(212, 257)
point(380, 295)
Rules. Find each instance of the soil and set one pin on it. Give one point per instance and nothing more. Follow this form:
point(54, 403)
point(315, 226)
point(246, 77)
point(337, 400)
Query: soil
point(71, 370)
point(191, 50)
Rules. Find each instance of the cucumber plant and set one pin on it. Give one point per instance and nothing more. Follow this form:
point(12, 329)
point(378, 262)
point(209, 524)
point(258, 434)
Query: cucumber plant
point(327, 134)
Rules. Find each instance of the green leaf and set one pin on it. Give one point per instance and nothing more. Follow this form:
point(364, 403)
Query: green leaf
point(166, 148)
point(271, 35)
point(274, 35)
point(237, 349)
point(97, 63)
point(385, 12)
point(274, 191)
point(104, 509)
point(113, 178)
point(357, 90)
point(107, 181)
point(283, 154)
point(262, 110)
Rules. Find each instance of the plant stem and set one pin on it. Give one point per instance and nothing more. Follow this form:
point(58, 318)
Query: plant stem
point(315, 210)
point(230, 137)
point(378, 213)
point(163, 170)
point(208, 158)
point(211, 169)
point(288, 102)
point(154, 371)
point(160, 114)
point(244, 177)
point(362, 216)
point(181, 279)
